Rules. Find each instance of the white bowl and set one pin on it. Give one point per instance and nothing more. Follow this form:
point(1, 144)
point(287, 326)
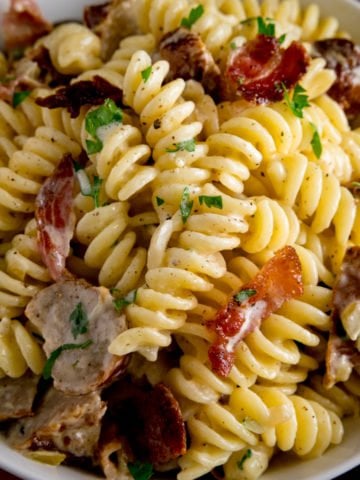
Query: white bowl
point(336, 460)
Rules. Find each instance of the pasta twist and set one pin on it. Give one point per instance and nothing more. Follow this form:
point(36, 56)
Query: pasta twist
point(13, 121)
point(121, 163)
point(23, 273)
point(114, 70)
point(27, 168)
point(73, 48)
point(163, 113)
point(162, 16)
point(19, 350)
point(111, 248)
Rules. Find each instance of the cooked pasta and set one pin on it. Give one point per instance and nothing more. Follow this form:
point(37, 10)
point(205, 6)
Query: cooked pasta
point(204, 245)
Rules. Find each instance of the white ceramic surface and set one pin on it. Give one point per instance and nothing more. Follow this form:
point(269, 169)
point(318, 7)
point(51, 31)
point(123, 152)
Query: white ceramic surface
point(336, 460)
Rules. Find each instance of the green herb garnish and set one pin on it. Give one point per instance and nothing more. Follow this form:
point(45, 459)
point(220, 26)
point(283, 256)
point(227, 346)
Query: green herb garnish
point(122, 302)
point(211, 201)
point(299, 100)
point(281, 39)
point(264, 28)
point(79, 320)
point(140, 470)
point(56, 354)
point(145, 74)
point(240, 463)
point(355, 184)
point(188, 145)
point(106, 114)
point(186, 204)
point(316, 142)
point(159, 201)
point(194, 15)
point(244, 295)
point(19, 97)
point(233, 46)
point(87, 189)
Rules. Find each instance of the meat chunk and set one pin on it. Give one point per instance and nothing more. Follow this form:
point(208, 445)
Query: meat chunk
point(279, 280)
point(151, 421)
point(69, 424)
point(55, 217)
point(259, 70)
point(189, 58)
point(343, 349)
point(75, 311)
point(23, 23)
point(112, 22)
point(343, 56)
point(17, 396)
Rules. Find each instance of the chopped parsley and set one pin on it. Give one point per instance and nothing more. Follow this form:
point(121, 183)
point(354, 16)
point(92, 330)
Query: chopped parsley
point(86, 188)
point(266, 26)
point(194, 15)
point(244, 295)
point(106, 114)
point(211, 201)
point(316, 142)
point(19, 97)
point(188, 145)
point(240, 463)
point(281, 39)
point(141, 470)
point(122, 302)
point(159, 201)
point(49, 364)
point(299, 100)
point(79, 320)
point(233, 46)
point(186, 204)
point(145, 74)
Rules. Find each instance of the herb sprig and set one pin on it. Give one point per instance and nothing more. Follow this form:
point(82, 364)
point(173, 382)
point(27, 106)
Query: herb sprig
point(106, 114)
point(141, 470)
point(245, 295)
point(186, 205)
point(240, 463)
point(79, 320)
point(211, 201)
point(87, 189)
point(121, 302)
point(316, 141)
point(298, 101)
point(19, 97)
point(194, 15)
point(50, 362)
point(186, 145)
point(145, 74)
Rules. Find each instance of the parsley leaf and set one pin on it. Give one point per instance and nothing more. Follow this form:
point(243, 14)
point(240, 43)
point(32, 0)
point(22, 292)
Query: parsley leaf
point(122, 302)
point(49, 364)
point(211, 201)
point(316, 142)
point(140, 470)
point(145, 74)
point(79, 320)
point(267, 29)
point(233, 46)
point(186, 204)
point(240, 463)
point(299, 100)
point(355, 184)
point(106, 114)
point(281, 39)
point(193, 17)
point(159, 201)
point(188, 145)
point(244, 295)
point(19, 97)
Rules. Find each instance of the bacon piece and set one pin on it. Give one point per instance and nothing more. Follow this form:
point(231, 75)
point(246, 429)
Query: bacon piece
point(343, 56)
point(85, 92)
point(23, 23)
point(343, 353)
point(279, 280)
point(48, 73)
point(55, 217)
point(112, 22)
point(189, 58)
point(150, 420)
point(257, 70)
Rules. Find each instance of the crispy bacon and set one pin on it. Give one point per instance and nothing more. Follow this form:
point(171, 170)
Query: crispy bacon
point(189, 58)
point(279, 280)
point(48, 73)
point(23, 23)
point(342, 353)
point(55, 217)
point(257, 70)
point(85, 92)
point(149, 419)
point(343, 56)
